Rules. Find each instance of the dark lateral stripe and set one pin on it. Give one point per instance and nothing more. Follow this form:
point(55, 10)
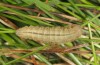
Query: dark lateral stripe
point(47, 34)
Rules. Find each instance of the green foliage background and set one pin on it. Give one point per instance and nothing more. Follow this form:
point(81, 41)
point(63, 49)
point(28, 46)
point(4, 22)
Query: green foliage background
point(87, 11)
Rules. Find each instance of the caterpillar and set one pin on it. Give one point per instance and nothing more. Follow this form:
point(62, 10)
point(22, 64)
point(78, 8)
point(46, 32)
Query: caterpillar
point(55, 34)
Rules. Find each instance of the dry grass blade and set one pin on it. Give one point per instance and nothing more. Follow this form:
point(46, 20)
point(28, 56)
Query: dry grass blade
point(84, 52)
point(4, 51)
point(21, 8)
point(67, 16)
point(49, 19)
point(8, 23)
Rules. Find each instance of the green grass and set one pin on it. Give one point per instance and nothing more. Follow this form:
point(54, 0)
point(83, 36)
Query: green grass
point(87, 11)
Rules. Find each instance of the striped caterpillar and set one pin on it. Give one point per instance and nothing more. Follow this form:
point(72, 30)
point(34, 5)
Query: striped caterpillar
point(56, 35)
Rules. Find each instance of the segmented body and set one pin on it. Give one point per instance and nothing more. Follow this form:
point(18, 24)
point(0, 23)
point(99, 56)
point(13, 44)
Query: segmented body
point(56, 35)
